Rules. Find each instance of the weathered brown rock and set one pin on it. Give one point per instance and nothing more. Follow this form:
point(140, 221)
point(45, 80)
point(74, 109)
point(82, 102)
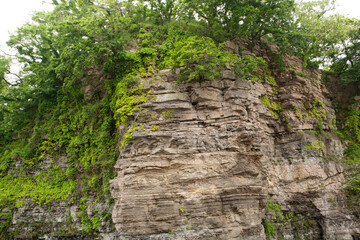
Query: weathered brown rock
point(209, 170)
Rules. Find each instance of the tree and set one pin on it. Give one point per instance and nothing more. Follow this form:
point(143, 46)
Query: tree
point(207, 12)
point(245, 18)
point(163, 11)
point(4, 69)
point(261, 18)
point(347, 62)
point(318, 35)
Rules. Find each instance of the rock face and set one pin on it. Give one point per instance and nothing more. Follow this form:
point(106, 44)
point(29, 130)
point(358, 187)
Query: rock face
point(59, 221)
point(222, 159)
point(212, 155)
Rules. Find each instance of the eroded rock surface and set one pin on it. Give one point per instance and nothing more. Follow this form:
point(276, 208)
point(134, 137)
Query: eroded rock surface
point(210, 168)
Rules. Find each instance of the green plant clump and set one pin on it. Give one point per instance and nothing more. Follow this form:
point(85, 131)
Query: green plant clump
point(275, 108)
point(199, 59)
point(350, 130)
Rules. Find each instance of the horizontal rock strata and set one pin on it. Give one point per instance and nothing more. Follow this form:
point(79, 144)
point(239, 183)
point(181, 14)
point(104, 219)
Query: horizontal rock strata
point(208, 170)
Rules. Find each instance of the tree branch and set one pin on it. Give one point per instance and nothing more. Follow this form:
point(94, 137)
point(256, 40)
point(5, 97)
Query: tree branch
point(12, 84)
point(10, 55)
point(9, 83)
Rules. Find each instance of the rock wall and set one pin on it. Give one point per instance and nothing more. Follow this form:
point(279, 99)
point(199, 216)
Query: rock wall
point(60, 220)
point(217, 160)
point(211, 156)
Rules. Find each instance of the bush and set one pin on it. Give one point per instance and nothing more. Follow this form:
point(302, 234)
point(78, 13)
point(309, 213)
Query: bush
point(199, 59)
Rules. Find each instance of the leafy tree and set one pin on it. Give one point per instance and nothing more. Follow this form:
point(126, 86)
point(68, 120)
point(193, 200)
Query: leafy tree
point(164, 11)
point(347, 62)
point(7, 78)
point(58, 49)
point(318, 35)
point(245, 18)
point(261, 18)
point(4, 68)
point(208, 12)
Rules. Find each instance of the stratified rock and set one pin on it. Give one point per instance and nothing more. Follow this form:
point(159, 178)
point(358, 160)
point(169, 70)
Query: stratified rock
point(210, 169)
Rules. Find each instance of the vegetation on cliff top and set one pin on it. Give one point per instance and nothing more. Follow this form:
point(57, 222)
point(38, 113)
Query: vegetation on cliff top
point(61, 136)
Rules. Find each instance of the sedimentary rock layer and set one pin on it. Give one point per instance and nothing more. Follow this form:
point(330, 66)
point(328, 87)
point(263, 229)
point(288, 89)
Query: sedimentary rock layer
point(212, 154)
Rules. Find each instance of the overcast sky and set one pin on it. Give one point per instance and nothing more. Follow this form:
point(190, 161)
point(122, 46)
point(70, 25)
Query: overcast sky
point(349, 7)
point(14, 13)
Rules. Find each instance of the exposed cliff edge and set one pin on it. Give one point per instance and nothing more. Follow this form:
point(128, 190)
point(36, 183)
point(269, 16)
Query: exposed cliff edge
point(229, 164)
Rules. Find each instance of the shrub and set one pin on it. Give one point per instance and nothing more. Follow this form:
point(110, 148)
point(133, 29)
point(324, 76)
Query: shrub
point(199, 59)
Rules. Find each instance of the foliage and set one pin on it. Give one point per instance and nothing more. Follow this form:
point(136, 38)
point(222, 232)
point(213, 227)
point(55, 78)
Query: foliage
point(126, 100)
point(319, 36)
point(265, 18)
point(199, 59)
point(164, 11)
point(275, 108)
point(47, 118)
point(47, 186)
point(315, 146)
point(314, 110)
point(279, 221)
point(128, 136)
point(248, 18)
point(351, 132)
point(89, 224)
point(4, 69)
point(269, 229)
point(275, 215)
point(347, 62)
point(274, 210)
point(253, 68)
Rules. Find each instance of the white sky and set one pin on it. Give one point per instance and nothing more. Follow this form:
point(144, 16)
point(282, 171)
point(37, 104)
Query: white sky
point(14, 13)
point(351, 8)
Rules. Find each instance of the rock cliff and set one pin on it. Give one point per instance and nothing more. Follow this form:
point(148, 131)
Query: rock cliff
point(222, 160)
